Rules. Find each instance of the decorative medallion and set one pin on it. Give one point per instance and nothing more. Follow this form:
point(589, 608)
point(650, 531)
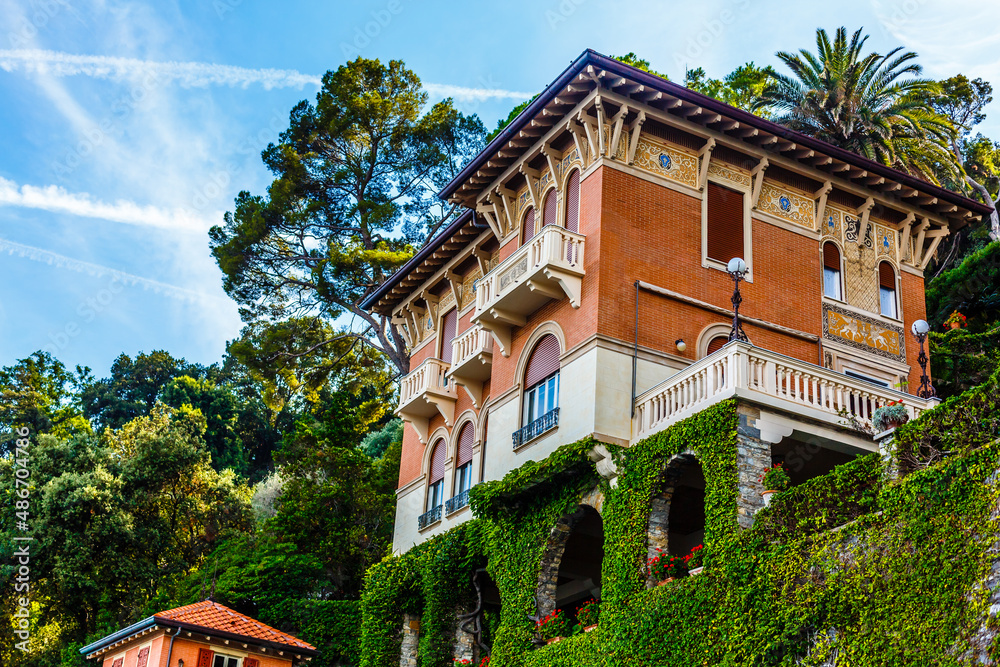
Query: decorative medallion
point(864, 333)
point(785, 203)
point(665, 160)
point(668, 162)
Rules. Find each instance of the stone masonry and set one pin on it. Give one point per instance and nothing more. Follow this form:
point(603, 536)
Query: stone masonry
point(753, 458)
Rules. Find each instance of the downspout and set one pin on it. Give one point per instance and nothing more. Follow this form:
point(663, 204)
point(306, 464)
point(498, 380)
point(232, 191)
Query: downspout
point(635, 350)
point(170, 649)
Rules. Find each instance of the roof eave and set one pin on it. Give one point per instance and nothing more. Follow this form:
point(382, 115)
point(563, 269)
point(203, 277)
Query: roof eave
point(222, 634)
point(114, 637)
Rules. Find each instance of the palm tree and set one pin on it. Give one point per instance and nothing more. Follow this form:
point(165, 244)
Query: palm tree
point(869, 104)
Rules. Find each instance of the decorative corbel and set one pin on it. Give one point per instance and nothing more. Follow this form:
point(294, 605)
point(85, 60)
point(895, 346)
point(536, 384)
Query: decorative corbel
point(402, 324)
point(757, 174)
point(503, 221)
point(483, 258)
point(553, 158)
point(508, 198)
point(487, 211)
point(531, 177)
point(936, 237)
point(865, 212)
point(821, 196)
point(706, 156)
point(599, 105)
point(580, 138)
point(618, 120)
point(635, 129)
point(432, 305)
point(903, 230)
point(918, 244)
point(455, 282)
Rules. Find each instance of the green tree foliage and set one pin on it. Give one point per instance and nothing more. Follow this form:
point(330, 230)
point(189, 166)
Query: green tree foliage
point(218, 407)
point(376, 443)
point(39, 393)
point(741, 88)
point(972, 288)
point(632, 59)
point(870, 104)
point(355, 180)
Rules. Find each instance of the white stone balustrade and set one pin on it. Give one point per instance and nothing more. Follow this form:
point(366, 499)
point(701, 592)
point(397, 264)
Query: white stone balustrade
point(744, 371)
point(427, 391)
point(472, 361)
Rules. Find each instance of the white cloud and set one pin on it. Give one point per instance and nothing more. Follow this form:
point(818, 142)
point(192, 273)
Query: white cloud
point(96, 270)
point(197, 75)
point(56, 199)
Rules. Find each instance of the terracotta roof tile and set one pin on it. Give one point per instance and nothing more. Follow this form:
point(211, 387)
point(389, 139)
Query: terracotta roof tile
point(214, 616)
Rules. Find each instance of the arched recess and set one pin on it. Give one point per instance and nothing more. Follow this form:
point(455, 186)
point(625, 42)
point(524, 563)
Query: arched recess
point(888, 301)
point(677, 510)
point(549, 327)
point(527, 225)
point(713, 337)
point(572, 207)
point(550, 208)
point(571, 564)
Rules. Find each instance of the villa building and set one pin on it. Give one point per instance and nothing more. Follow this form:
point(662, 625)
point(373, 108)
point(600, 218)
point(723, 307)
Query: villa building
point(584, 292)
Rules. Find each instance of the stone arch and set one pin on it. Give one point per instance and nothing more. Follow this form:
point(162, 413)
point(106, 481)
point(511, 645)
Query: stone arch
point(439, 432)
point(710, 333)
point(549, 327)
point(467, 416)
point(571, 563)
point(677, 509)
point(569, 205)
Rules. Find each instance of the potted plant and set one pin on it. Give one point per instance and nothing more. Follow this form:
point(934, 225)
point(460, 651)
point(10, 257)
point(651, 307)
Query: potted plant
point(464, 662)
point(955, 321)
point(554, 627)
point(695, 560)
point(890, 416)
point(485, 662)
point(588, 613)
point(665, 568)
point(775, 479)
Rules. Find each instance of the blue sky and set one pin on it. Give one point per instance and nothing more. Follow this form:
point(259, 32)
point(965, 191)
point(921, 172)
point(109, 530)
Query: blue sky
point(128, 127)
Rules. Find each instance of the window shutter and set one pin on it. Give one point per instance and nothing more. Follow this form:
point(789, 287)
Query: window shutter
point(543, 362)
point(448, 326)
point(549, 212)
point(886, 276)
point(716, 344)
point(528, 225)
point(251, 662)
point(573, 202)
point(437, 461)
point(465, 438)
point(725, 223)
point(118, 662)
point(143, 657)
point(204, 657)
point(831, 256)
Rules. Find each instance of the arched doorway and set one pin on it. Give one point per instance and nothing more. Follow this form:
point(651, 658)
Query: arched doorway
point(571, 566)
point(677, 510)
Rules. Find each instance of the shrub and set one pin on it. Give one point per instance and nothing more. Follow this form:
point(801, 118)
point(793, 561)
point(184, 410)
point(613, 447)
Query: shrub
point(589, 612)
point(775, 479)
point(556, 624)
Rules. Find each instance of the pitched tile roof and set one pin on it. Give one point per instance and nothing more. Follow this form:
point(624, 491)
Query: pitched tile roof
point(211, 615)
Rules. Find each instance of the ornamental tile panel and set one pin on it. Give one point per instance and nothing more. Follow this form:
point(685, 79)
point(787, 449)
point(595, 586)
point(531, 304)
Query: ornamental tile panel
point(833, 223)
point(885, 241)
point(863, 333)
point(668, 162)
point(729, 173)
point(784, 203)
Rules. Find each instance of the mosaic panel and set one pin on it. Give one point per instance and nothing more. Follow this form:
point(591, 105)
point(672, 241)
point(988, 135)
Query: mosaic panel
point(861, 277)
point(729, 173)
point(864, 333)
point(667, 162)
point(885, 241)
point(833, 223)
point(786, 204)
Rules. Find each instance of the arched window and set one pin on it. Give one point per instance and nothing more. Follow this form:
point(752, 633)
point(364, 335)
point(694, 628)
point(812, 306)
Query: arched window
point(541, 393)
point(716, 344)
point(887, 290)
point(832, 283)
point(573, 202)
point(449, 326)
point(463, 460)
point(435, 489)
point(528, 225)
point(549, 209)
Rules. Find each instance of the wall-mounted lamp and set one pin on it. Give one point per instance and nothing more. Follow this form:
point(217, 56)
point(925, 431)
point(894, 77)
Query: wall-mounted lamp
point(180, 663)
point(681, 345)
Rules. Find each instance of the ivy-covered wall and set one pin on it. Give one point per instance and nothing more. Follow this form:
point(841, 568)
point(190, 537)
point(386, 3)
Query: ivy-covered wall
point(848, 569)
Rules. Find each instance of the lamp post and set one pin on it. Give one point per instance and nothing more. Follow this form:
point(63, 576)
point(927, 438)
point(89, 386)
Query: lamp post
point(737, 270)
point(920, 329)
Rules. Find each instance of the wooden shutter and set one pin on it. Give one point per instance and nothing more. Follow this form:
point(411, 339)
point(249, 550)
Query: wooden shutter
point(716, 344)
point(549, 210)
point(448, 326)
point(204, 657)
point(831, 256)
point(118, 662)
point(437, 461)
point(725, 223)
point(543, 362)
point(528, 225)
point(143, 657)
point(250, 662)
point(465, 439)
point(886, 276)
point(573, 202)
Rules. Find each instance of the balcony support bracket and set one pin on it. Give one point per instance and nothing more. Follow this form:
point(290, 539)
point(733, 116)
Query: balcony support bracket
point(571, 284)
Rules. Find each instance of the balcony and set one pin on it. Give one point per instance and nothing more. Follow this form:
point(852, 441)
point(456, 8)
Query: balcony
point(424, 393)
point(458, 502)
point(429, 518)
point(472, 359)
point(549, 266)
point(744, 371)
point(546, 422)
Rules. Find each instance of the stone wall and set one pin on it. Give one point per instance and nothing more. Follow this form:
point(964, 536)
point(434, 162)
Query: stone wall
point(753, 458)
point(411, 641)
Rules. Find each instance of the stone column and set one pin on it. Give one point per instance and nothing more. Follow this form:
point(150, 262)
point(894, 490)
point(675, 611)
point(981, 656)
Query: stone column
point(464, 641)
point(411, 641)
point(753, 458)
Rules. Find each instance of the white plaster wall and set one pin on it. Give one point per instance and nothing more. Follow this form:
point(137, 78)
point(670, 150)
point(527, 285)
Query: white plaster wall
point(409, 507)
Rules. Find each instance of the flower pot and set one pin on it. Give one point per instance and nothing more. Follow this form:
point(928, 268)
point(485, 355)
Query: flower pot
point(696, 571)
point(553, 640)
point(955, 325)
point(665, 581)
point(590, 628)
point(767, 497)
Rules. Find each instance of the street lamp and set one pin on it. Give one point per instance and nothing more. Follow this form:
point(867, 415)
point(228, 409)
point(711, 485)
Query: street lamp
point(920, 329)
point(737, 270)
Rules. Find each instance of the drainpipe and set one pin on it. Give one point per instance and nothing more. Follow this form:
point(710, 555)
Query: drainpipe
point(170, 649)
point(635, 350)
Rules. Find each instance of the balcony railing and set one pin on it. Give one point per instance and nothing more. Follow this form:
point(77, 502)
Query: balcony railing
point(429, 518)
point(426, 392)
point(739, 369)
point(458, 502)
point(549, 266)
point(471, 361)
point(534, 429)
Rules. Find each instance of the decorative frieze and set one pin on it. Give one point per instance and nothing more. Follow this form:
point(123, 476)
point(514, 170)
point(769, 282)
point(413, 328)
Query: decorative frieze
point(864, 333)
point(786, 204)
point(727, 172)
point(666, 161)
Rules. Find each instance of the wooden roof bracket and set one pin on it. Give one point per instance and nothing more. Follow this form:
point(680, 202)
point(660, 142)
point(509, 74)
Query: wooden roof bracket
point(706, 157)
point(635, 129)
point(821, 196)
point(553, 158)
point(757, 173)
point(618, 120)
point(865, 211)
